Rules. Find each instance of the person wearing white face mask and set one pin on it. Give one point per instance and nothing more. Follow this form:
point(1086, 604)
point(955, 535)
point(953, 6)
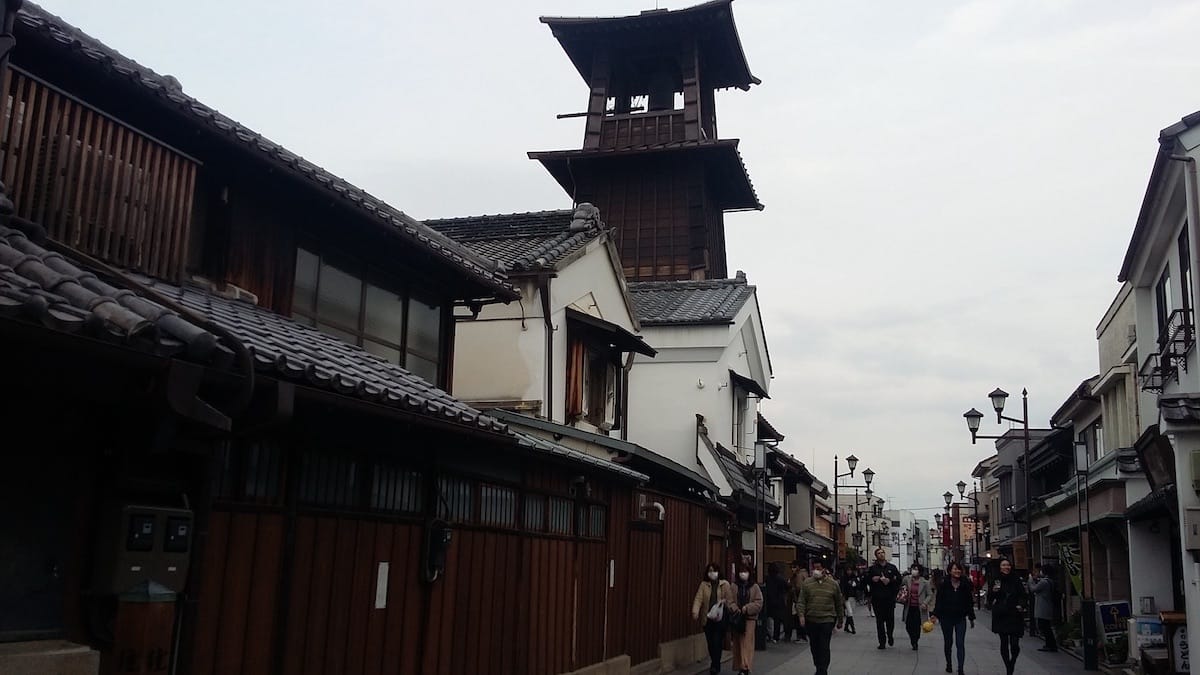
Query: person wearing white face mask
point(821, 609)
point(709, 607)
point(747, 603)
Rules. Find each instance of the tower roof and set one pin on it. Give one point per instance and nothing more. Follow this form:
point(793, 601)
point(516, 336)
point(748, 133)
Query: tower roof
point(711, 22)
point(735, 192)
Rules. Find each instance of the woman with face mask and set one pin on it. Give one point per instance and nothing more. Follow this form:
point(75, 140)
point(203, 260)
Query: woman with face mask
point(1006, 597)
point(918, 603)
point(747, 603)
point(954, 606)
point(709, 608)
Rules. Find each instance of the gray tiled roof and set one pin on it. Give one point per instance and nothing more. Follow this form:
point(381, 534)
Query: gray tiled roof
point(525, 241)
point(35, 22)
point(1183, 409)
point(736, 473)
point(713, 301)
point(43, 287)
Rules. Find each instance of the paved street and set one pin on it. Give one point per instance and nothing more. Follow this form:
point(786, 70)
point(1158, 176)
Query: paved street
point(857, 655)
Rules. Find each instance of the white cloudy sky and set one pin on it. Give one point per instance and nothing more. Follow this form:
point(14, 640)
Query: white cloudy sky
point(950, 186)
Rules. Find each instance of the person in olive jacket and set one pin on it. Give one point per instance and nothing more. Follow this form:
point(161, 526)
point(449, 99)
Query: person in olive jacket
point(953, 608)
point(713, 592)
point(1006, 596)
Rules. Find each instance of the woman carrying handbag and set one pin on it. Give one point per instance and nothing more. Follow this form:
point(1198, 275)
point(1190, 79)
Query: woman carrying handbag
point(743, 613)
point(1006, 597)
point(709, 608)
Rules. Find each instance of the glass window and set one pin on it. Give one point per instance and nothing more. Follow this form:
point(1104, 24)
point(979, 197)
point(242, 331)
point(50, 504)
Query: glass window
point(497, 506)
point(560, 515)
point(455, 500)
point(384, 318)
point(339, 297)
point(1162, 302)
point(396, 490)
point(424, 328)
point(535, 513)
point(1185, 267)
point(383, 351)
point(304, 294)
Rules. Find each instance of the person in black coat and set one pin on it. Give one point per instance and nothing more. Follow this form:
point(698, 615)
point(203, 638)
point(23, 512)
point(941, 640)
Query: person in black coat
point(1006, 596)
point(775, 605)
point(953, 608)
point(884, 580)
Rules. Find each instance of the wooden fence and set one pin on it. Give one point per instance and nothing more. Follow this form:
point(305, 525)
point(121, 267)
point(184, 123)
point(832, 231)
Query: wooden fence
point(92, 182)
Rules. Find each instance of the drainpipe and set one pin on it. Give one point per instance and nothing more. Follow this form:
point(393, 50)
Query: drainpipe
point(544, 291)
point(625, 395)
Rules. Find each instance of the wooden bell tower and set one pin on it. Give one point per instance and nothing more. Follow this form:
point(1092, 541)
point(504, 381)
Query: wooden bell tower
point(651, 158)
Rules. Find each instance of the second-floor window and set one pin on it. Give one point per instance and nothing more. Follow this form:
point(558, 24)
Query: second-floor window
point(592, 384)
point(1092, 437)
point(1185, 271)
point(1163, 305)
point(339, 298)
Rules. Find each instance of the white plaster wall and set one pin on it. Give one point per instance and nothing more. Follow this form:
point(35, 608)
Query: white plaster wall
point(1150, 564)
point(501, 354)
point(498, 331)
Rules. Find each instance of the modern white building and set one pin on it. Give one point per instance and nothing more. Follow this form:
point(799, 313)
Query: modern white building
point(903, 537)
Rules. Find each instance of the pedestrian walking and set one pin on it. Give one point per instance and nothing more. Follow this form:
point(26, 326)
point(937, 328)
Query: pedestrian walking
point(849, 586)
point(1007, 598)
point(884, 584)
point(955, 606)
point(917, 603)
point(1031, 604)
point(744, 610)
point(820, 608)
point(1041, 587)
point(799, 574)
point(709, 608)
point(776, 611)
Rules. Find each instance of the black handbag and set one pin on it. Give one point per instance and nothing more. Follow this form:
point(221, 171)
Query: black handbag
point(737, 622)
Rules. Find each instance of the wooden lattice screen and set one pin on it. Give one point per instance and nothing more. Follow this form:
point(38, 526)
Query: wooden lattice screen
point(93, 183)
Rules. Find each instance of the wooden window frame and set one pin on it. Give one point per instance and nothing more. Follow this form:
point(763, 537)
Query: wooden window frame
point(371, 275)
point(584, 402)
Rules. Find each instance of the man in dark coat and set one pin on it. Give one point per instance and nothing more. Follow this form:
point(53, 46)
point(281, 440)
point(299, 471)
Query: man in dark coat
point(884, 581)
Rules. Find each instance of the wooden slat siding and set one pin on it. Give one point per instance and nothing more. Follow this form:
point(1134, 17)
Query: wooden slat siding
point(142, 222)
point(339, 605)
point(179, 233)
point(642, 614)
point(90, 180)
point(235, 593)
point(320, 588)
point(56, 147)
point(77, 205)
point(160, 185)
point(70, 156)
point(511, 627)
point(100, 176)
point(171, 189)
point(362, 598)
point(296, 622)
point(209, 609)
point(407, 616)
point(21, 138)
point(261, 619)
point(37, 162)
point(620, 512)
point(134, 180)
point(112, 180)
point(374, 634)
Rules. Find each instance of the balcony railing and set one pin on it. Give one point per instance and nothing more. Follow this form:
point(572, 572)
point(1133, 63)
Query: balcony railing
point(1175, 339)
point(636, 129)
point(94, 183)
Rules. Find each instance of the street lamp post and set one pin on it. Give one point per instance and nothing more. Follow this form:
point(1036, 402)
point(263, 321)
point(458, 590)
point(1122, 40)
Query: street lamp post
point(868, 476)
point(962, 489)
point(973, 417)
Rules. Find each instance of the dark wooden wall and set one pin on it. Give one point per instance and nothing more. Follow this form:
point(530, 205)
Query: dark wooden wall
point(659, 208)
point(508, 601)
